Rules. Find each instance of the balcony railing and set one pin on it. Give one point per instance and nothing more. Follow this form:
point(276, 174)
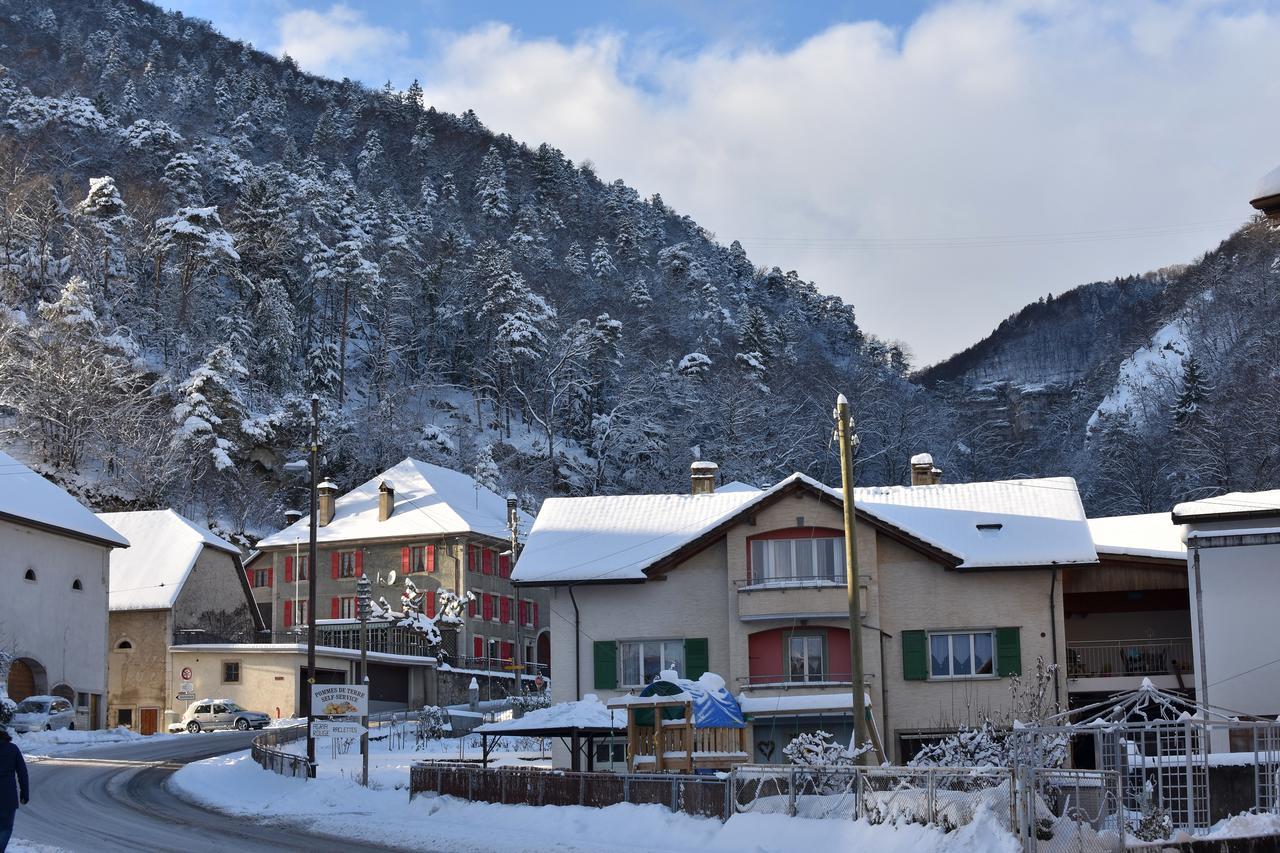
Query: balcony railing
point(790, 682)
point(1118, 658)
point(789, 582)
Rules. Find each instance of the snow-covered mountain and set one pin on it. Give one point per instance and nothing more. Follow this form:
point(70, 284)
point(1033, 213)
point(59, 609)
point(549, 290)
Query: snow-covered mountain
point(195, 236)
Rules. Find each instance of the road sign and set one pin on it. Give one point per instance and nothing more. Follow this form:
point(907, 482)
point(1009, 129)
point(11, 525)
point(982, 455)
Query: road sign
point(186, 673)
point(329, 728)
point(186, 696)
point(187, 687)
point(339, 700)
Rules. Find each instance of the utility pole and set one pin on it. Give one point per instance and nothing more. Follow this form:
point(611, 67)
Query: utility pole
point(311, 582)
point(362, 602)
point(847, 440)
point(513, 527)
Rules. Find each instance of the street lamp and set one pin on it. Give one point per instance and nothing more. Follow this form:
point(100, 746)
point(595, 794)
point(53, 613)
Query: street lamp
point(1267, 199)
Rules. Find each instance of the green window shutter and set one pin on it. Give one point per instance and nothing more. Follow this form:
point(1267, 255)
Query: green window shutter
point(696, 660)
point(1008, 652)
point(915, 662)
point(606, 658)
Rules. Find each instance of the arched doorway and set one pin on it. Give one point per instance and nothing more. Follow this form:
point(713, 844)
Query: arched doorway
point(26, 678)
point(544, 650)
point(65, 691)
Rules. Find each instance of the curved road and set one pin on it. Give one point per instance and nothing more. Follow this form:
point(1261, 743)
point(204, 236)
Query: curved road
point(115, 797)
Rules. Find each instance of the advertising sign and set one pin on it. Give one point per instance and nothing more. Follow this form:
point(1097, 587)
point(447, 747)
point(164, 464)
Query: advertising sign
point(329, 728)
point(339, 700)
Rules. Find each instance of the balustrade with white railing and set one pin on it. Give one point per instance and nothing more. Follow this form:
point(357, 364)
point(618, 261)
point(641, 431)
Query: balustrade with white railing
point(1119, 658)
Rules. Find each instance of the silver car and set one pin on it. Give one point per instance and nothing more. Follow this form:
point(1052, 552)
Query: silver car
point(213, 714)
point(42, 714)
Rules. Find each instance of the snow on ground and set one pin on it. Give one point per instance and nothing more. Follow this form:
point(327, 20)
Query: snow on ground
point(64, 741)
point(17, 845)
point(334, 803)
point(1147, 378)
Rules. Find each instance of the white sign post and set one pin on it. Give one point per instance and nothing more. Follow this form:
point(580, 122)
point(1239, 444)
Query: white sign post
point(339, 700)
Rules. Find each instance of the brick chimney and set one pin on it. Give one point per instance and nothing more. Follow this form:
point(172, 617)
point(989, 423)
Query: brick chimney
point(386, 500)
point(326, 497)
point(923, 472)
point(291, 516)
point(702, 477)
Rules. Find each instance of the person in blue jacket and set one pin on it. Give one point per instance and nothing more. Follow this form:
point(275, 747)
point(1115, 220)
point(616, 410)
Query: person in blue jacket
point(11, 765)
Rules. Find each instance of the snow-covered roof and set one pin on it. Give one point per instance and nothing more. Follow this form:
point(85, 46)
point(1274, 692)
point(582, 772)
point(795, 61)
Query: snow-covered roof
point(1269, 185)
point(1234, 504)
point(983, 525)
point(25, 496)
point(165, 547)
point(586, 713)
point(1150, 535)
point(736, 486)
point(922, 459)
point(429, 501)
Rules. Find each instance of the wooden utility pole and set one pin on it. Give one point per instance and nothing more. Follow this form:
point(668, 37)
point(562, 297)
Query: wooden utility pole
point(311, 582)
point(846, 438)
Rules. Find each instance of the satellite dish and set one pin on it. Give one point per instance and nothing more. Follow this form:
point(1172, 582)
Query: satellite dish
point(391, 577)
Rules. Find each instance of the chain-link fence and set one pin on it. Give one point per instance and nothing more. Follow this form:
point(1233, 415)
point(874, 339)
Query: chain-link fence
point(1070, 811)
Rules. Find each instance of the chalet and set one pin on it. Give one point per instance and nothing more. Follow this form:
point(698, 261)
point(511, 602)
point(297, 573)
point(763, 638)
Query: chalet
point(438, 529)
point(960, 585)
point(179, 584)
point(53, 556)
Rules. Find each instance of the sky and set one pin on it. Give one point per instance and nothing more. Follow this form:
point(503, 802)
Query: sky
point(938, 165)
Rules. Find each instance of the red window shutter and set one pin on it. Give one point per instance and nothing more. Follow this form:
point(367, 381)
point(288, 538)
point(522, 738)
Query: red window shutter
point(270, 577)
point(477, 647)
point(506, 609)
point(333, 564)
point(535, 614)
point(486, 561)
point(487, 601)
point(471, 607)
point(288, 569)
point(333, 607)
point(431, 558)
point(504, 565)
point(524, 612)
point(359, 563)
point(506, 651)
point(288, 613)
point(404, 561)
point(431, 605)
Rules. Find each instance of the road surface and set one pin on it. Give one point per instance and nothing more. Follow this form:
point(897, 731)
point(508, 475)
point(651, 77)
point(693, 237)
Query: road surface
point(113, 798)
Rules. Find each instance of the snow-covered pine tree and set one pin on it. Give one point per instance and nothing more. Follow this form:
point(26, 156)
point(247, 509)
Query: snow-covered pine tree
point(210, 410)
point(491, 186)
point(602, 266)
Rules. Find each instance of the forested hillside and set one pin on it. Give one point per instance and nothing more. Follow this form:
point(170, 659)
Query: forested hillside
point(196, 236)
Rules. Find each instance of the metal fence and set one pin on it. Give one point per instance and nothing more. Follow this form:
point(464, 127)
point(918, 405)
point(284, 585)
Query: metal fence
point(1102, 658)
point(695, 795)
point(1070, 811)
point(267, 753)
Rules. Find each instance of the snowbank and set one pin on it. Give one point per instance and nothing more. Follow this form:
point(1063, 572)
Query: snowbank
point(64, 741)
point(235, 785)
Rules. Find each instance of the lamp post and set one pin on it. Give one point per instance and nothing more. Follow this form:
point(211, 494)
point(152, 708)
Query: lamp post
point(848, 440)
point(311, 583)
point(363, 588)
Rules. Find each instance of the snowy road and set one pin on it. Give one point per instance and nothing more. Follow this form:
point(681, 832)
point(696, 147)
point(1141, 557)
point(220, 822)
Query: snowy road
point(113, 798)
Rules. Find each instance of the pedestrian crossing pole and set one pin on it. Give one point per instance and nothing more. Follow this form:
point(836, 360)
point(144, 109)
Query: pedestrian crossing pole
point(848, 440)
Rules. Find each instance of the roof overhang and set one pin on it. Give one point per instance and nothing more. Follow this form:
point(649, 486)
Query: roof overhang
point(1268, 205)
point(1228, 515)
point(61, 531)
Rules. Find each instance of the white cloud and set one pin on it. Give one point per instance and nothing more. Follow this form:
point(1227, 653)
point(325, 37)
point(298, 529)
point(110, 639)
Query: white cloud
point(331, 42)
point(981, 120)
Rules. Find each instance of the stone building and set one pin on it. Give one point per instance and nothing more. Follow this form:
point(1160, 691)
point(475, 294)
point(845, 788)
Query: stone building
point(435, 527)
point(53, 614)
point(178, 584)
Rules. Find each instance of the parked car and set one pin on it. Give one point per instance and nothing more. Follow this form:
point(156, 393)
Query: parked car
point(42, 714)
point(212, 714)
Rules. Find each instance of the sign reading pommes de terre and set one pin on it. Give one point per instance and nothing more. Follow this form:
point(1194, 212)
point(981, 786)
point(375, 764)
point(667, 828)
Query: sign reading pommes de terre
point(339, 700)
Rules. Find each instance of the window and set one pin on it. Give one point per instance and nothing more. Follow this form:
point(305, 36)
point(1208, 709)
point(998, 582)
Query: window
point(806, 657)
point(124, 646)
point(417, 559)
point(30, 575)
point(303, 564)
point(77, 586)
point(344, 608)
point(785, 560)
point(262, 577)
point(642, 660)
point(295, 612)
point(231, 672)
point(962, 655)
point(347, 564)
point(611, 752)
point(201, 709)
point(124, 717)
point(495, 649)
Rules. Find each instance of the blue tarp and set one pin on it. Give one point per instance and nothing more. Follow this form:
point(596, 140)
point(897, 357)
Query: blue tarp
point(714, 707)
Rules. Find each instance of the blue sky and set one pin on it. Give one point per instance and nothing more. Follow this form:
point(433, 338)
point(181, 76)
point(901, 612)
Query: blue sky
point(937, 164)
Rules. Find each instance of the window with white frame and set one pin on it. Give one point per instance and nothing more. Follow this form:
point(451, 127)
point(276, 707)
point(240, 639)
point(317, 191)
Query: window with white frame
point(782, 560)
point(347, 608)
point(347, 564)
point(962, 654)
point(642, 660)
point(806, 657)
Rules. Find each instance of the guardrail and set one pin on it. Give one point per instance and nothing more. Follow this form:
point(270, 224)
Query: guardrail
point(1109, 658)
point(269, 756)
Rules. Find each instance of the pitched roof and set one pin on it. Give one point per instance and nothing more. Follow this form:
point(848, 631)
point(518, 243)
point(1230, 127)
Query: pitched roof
point(166, 545)
point(429, 501)
point(1150, 535)
point(1237, 505)
point(615, 539)
point(26, 497)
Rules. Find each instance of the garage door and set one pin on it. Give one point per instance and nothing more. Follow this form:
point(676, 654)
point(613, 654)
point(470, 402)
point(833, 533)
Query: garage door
point(22, 683)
